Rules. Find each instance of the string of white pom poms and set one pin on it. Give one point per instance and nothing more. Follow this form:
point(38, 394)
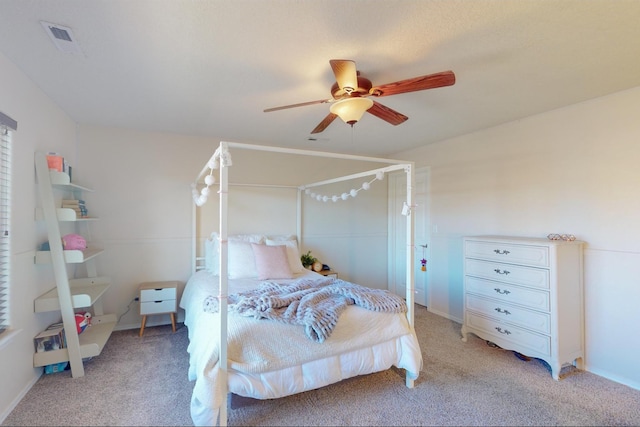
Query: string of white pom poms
point(344, 196)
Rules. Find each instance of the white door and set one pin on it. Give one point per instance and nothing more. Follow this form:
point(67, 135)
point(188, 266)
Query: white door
point(397, 234)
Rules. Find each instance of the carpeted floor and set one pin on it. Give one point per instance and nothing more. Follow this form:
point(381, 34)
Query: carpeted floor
point(143, 381)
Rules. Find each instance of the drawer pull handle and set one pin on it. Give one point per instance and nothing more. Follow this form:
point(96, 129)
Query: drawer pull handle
point(501, 252)
point(497, 270)
point(505, 332)
point(499, 310)
point(500, 291)
point(157, 302)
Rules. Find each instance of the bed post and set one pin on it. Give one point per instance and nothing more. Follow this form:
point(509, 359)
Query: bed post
point(410, 286)
point(222, 297)
point(299, 219)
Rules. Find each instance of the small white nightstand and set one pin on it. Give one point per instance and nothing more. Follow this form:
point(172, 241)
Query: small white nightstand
point(158, 298)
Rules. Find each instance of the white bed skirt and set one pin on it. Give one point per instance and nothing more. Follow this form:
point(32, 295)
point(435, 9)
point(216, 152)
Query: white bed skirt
point(402, 352)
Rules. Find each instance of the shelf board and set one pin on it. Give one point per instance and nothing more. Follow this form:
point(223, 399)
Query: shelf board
point(64, 214)
point(61, 179)
point(92, 341)
point(70, 257)
point(84, 293)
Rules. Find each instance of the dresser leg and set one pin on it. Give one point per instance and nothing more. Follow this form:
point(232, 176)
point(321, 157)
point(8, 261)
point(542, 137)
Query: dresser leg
point(144, 320)
point(555, 371)
point(173, 322)
point(463, 331)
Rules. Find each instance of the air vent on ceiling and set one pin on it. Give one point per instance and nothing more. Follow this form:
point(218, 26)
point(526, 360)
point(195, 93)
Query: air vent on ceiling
point(62, 37)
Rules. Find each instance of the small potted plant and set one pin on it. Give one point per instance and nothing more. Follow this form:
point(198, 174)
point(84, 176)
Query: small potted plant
point(307, 260)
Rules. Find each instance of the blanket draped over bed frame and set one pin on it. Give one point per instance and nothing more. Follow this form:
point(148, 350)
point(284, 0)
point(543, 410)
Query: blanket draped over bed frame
point(316, 305)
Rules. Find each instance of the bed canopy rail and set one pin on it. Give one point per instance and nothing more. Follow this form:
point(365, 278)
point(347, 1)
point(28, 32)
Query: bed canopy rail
point(221, 161)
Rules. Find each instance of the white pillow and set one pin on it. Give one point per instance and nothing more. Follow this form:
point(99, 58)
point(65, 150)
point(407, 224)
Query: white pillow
point(251, 238)
point(293, 255)
point(211, 252)
point(211, 255)
point(242, 262)
point(271, 262)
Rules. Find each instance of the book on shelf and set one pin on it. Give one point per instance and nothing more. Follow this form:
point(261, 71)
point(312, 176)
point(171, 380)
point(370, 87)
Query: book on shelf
point(52, 338)
point(80, 212)
point(77, 205)
point(74, 202)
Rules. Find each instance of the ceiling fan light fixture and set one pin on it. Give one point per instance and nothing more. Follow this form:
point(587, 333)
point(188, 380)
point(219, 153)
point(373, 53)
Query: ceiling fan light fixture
point(350, 110)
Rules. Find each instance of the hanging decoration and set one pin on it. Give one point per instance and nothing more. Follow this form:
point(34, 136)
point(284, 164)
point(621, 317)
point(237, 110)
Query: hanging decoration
point(344, 196)
point(423, 261)
point(219, 157)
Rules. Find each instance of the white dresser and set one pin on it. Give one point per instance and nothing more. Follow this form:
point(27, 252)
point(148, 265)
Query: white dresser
point(526, 295)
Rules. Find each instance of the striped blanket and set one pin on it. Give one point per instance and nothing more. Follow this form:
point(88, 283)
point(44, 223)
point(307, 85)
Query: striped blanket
point(316, 305)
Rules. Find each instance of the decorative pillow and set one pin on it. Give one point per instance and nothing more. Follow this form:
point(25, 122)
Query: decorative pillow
point(271, 262)
point(293, 255)
point(241, 263)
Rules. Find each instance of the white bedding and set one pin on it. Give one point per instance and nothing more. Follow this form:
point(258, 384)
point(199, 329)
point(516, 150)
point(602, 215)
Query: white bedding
point(284, 360)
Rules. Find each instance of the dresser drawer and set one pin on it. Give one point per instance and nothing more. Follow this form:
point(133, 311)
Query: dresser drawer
point(530, 319)
point(532, 298)
point(521, 338)
point(158, 294)
point(157, 307)
point(536, 256)
point(519, 275)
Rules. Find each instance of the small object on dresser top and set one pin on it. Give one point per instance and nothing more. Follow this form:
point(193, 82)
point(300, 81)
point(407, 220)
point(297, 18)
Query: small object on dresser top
point(565, 237)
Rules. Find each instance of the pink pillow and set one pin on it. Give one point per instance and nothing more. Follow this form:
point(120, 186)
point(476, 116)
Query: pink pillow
point(271, 262)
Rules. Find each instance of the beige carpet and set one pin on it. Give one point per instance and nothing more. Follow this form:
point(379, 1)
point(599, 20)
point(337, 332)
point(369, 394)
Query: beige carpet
point(143, 381)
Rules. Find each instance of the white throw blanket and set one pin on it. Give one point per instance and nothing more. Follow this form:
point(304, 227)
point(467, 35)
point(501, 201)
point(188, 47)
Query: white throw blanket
point(316, 305)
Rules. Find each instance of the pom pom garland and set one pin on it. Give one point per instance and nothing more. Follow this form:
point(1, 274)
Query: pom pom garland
point(200, 197)
point(224, 159)
point(345, 195)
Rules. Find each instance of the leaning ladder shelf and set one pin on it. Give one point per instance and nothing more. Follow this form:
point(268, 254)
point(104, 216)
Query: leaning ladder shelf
point(69, 294)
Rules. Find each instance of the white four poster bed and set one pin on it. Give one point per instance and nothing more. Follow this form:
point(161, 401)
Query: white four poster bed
point(231, 350)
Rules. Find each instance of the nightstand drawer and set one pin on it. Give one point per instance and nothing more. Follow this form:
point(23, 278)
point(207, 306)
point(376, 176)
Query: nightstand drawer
point(157, 307)
point(158, 294)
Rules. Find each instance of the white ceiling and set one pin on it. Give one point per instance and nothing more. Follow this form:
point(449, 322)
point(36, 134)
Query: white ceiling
point(211, 67)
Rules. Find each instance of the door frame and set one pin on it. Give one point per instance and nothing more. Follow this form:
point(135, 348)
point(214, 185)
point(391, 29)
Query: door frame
point(421, 196)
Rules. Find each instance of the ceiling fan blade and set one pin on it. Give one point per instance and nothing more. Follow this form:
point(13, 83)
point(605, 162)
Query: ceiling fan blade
point(431, 81)
point(346, 74)
point(302, 104)
point(324, 123)
point(387, 114)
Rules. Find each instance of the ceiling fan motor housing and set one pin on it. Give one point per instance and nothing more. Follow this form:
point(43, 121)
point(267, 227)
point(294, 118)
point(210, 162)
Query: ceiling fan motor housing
point(364, 85)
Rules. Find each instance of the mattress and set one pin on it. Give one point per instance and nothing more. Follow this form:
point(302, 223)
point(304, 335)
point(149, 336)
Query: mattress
point(268, 359)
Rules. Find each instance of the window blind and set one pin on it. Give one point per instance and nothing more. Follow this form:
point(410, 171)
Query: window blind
point(6, 125)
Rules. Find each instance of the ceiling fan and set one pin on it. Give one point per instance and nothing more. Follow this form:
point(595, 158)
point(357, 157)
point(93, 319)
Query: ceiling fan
point(350, 94)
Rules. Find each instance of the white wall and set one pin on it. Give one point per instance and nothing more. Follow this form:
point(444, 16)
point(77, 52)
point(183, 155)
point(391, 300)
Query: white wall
point(573, 170)
point(42, 126)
